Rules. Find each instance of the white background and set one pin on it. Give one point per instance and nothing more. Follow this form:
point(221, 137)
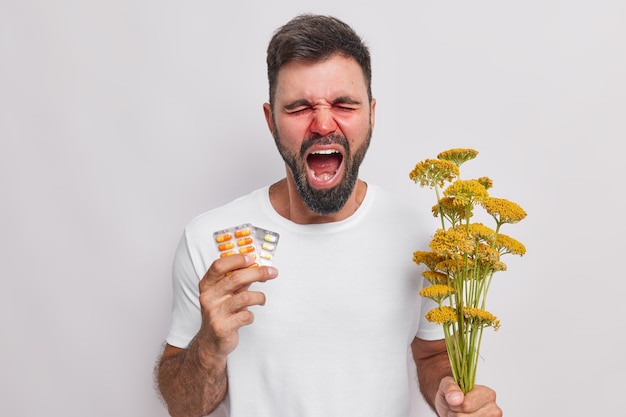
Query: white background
point(122, 120)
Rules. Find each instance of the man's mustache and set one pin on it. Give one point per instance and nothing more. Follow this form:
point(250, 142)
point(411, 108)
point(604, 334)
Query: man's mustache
point(324, 140)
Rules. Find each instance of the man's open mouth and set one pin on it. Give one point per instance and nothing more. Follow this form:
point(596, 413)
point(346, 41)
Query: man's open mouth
point(323, 165)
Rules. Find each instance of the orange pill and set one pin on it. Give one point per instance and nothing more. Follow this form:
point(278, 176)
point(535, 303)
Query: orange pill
point(226, 246)
point(230, 252)
point(244, 241)
point(223, 238)
point(242, 233)
point(247, 249)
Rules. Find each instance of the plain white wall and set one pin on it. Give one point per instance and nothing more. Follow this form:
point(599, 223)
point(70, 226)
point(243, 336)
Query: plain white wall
point(121, 120)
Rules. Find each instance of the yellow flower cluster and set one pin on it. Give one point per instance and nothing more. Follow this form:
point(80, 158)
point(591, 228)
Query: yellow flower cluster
point(506, 244)
point(437, 292)
point(503, 211)
point(447, 315)
point(451, 211)
point(442, 315)
point(464, 256)
point(486, 182)
point(434, 172)
point(458, 155)
point(429, 259)
point(482, 232)
point(481, 318)
point(435, 277)
point(466, 192)
point(452, 243)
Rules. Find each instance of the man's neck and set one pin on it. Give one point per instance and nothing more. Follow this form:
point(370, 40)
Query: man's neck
point(286, 201)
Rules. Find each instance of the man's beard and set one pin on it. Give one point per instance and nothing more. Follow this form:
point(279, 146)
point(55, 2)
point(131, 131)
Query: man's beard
point(331, 200)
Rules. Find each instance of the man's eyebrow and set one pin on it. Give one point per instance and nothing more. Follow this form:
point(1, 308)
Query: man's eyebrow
point(304, 102)
point(297, 103)
point(346, 100)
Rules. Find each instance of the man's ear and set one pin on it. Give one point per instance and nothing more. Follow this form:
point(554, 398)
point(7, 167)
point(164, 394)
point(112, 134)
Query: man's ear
point(267, 109)
point(373, 113)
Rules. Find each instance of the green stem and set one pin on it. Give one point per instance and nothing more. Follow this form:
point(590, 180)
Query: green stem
point(486, 290)
point(451, 352)
point(477, 348)
point(443, 223)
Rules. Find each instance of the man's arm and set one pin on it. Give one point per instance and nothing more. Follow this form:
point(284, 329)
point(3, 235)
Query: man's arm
point(439, 389)
point(190, 386)
point(193, 381)
point(431, 360)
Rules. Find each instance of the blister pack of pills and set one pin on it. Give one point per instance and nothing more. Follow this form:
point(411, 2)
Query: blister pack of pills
point(246, 238)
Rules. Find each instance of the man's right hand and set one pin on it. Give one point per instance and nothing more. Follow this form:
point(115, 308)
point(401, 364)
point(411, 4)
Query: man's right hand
point(224, 300)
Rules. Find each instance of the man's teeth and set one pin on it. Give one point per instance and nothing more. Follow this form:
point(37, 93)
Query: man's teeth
point(324, 152)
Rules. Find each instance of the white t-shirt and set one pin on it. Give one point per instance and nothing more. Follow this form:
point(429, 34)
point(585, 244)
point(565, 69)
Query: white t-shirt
point(334, 336)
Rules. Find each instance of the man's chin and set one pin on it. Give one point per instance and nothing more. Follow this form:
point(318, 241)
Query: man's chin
point(325, 201)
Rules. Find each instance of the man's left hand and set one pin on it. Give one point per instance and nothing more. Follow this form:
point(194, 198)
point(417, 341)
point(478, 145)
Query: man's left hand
point(479, 402)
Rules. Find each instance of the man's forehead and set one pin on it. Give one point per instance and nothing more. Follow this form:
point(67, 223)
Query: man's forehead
point(331, 79)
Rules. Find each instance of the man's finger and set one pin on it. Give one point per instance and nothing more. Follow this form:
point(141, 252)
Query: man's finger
point(221, 267)
point(452, 392)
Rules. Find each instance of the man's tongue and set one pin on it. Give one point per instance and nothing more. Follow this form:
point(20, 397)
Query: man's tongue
point(324, 167)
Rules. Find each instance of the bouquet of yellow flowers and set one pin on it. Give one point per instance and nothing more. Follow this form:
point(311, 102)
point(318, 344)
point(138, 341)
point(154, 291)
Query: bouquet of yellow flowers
point(464, 256)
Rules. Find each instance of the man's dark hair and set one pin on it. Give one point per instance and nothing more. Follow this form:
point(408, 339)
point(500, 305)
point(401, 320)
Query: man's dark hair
point(314, 38)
